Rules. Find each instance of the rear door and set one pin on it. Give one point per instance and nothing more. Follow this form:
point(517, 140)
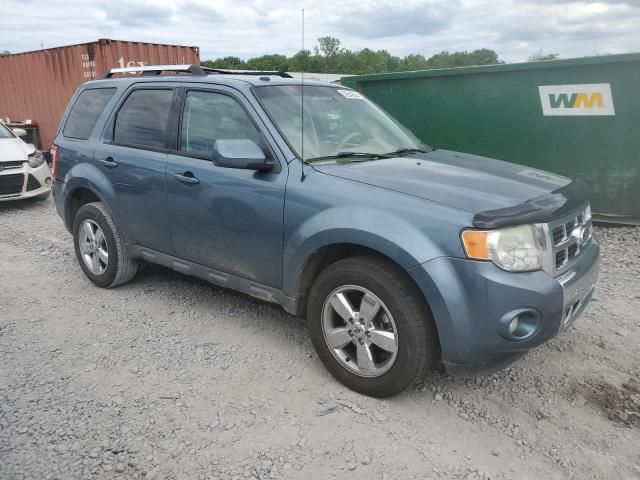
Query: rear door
point(133, 156)
point(225, 218)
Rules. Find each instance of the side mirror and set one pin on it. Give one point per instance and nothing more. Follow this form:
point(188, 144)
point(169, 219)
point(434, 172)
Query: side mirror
point(21, 132)
point(241, 153)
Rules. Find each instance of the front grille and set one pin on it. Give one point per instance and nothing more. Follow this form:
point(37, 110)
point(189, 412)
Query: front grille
point(558, 235)
point(32, 183)
point(570, 235)
point(11, 164)
point(11, 184)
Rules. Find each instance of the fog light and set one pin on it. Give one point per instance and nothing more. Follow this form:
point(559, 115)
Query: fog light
point(513, 325)
point(48, 181)
point(520, 324)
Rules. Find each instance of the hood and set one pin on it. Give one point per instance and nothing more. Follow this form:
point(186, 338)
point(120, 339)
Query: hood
point(12, 149)
point(467, 182)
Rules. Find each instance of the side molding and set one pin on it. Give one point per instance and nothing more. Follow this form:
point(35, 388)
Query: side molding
point(222, 279)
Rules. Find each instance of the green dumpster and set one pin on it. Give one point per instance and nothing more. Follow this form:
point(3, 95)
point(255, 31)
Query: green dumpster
point(577, 117)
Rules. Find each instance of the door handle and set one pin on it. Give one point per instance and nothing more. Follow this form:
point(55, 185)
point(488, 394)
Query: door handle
point(108, 162)
point(187, 178)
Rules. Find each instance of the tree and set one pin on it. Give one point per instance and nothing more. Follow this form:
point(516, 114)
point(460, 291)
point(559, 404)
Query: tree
point(278, 63)
point(412, 62)
point(4, 53)
point(304, 61)
point(232, 63)
point(369, 61)
point(484, 56)
point(328, 56)
point(463, 59)
point(329, 47)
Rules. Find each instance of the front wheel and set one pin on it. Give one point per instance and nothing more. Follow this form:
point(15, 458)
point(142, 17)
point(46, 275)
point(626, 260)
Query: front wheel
point(370, 326)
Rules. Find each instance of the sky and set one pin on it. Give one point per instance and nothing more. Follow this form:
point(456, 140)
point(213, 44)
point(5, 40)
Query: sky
point(516, 29)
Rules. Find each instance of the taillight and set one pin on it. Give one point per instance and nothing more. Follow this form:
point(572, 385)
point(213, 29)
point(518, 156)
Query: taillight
point(54, 160)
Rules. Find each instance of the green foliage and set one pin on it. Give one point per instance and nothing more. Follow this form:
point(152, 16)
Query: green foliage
point(463, 59)
point(4, 53)
point(329, 57)
point(329, 46)
point(303, 61)
point(269, 62)
point(226, 62)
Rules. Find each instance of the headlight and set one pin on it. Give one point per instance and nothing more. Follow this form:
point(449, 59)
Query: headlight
point(516, 249)
point(36, 159)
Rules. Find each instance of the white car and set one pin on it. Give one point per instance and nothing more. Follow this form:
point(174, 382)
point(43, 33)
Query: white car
point(24, 173)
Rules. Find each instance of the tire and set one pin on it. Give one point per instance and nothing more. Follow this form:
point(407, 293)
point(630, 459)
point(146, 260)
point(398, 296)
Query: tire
point(42, 197)
point(403, 310)
point(119, 267)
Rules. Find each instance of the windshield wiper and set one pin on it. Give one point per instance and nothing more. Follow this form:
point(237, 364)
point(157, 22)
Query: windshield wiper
point(339, 155)
point(405, 151)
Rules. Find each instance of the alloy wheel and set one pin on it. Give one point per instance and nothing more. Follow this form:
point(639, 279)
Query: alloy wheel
point(93, 247)
point(359, 331)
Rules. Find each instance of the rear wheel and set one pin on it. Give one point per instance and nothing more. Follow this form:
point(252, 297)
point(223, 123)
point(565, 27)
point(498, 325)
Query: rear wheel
point(370, 326)
point(99, 247)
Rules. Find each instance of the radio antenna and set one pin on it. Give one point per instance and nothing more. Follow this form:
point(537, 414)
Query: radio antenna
point(302, 103)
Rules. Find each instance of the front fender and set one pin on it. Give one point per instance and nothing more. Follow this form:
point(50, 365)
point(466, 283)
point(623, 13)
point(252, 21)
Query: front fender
point(384, 232)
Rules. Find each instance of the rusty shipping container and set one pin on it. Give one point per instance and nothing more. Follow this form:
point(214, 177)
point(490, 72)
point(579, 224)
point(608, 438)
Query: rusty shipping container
point(38, 85)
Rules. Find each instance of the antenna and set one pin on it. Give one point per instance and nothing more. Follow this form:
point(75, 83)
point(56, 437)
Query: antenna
point(302, 103)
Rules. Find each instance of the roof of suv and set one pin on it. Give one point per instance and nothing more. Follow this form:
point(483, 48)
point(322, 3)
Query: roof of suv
point(204, 75)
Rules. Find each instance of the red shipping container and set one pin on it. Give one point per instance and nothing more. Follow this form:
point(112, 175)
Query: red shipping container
point(38, 85)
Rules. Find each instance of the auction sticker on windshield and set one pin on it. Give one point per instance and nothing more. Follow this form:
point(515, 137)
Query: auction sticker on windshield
point(351, 94)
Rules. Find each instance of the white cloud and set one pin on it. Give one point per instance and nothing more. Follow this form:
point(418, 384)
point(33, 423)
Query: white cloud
point(515, 29)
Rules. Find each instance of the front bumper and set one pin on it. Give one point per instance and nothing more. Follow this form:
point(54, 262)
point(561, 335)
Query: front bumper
point(24, 182)
point(472, 303)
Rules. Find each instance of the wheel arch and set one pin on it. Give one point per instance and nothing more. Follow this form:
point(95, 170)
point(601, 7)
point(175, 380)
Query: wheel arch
point(80, 195)
point(84, 184)
point(323, 257)
point(74, 200)
point(328, 254)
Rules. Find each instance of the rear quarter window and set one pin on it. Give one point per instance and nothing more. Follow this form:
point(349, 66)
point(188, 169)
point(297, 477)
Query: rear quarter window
point(85, 112)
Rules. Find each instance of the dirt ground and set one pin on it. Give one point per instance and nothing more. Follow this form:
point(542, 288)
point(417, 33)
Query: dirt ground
point(170, 377)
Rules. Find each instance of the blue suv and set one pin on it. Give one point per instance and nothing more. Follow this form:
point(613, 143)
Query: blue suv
point(308, 195)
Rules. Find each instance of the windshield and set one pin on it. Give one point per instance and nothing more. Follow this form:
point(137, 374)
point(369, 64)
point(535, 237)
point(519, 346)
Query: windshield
point(337, 122)
point(5, 132)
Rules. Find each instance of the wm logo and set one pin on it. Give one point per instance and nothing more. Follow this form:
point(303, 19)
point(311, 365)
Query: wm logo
point(576, 100)
point(573, 100)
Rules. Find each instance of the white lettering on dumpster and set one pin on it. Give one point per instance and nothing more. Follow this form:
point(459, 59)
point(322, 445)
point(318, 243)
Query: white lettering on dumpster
point(573, 100)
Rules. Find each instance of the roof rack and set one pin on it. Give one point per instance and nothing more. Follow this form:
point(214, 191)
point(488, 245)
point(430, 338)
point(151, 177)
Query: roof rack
point(157, 70)
point(224, 71)
point(195, 70)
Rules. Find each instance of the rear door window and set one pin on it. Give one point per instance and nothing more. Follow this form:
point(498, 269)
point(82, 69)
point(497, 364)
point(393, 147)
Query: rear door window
point(85, 112)
point(142, 120)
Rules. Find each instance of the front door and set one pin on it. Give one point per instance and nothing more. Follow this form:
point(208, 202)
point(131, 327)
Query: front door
point(224, 218)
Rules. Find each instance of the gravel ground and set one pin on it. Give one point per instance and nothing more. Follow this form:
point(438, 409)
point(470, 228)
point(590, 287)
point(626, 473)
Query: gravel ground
point(169, 377)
